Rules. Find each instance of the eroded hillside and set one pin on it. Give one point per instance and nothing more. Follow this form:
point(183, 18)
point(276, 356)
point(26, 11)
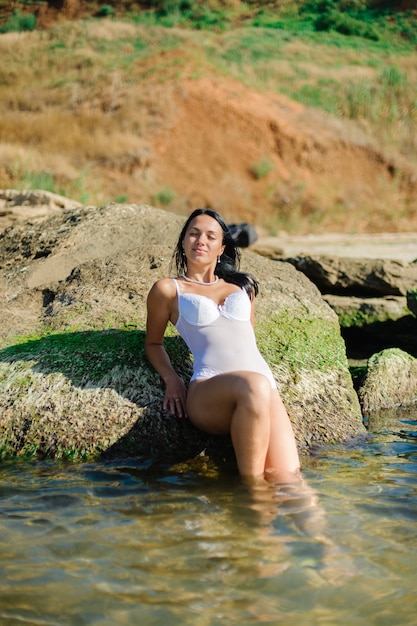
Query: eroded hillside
point(106, 110)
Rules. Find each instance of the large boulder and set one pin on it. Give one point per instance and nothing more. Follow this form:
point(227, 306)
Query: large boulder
point(74, 380)
point(369, 277)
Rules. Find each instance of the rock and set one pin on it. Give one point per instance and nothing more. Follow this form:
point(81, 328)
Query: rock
point(74, 380)
point(369, 325)
point(35, 197)
point(358, 312)
point(364, 341)
point(412, 300)
point(390, 380)
point(401, 246)
point(369, 297)
point(17, 206)
point(269, 249)
point(392, 419)
point(348, 276)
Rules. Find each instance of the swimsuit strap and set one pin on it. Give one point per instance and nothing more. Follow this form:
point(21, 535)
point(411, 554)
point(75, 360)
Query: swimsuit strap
point(177, 287)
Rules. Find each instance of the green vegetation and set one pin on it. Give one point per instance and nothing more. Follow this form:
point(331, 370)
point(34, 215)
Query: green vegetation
point(309, 344)
point(262, 168)
point(52, 374)
point(353, 18)
point(18, 22)
point(389, 100)
point(82, 356)
point(375, 20)
point(106, 10)
point(86, 357)
point(39, 180)
point(93, 91)
point(75, 189)
point(361, 318)
point(164, 197)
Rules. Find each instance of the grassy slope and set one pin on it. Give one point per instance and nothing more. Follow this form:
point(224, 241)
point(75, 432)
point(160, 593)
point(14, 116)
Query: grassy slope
point(80, 99)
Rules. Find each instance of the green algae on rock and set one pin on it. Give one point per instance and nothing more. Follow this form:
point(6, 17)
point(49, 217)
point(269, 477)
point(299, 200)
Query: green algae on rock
point(390, 380)
point(88, 389)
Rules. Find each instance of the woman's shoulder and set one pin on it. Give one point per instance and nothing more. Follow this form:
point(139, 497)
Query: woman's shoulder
point(163, 287)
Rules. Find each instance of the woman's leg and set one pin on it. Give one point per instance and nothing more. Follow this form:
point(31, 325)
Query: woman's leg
point(282, 456)
point(244, 405)
point(237, 403)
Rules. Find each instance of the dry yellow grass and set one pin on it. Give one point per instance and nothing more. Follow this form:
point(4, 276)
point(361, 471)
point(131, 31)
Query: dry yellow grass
point(84, 101)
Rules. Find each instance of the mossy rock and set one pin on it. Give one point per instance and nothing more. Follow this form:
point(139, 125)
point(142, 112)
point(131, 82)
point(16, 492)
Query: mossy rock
point(82, 387)
point(390, 381)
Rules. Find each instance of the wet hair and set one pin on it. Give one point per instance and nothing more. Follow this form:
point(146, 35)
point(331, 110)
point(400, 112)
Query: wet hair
point(229, 262)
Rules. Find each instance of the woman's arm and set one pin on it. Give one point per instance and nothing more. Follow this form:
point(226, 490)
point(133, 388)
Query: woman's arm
point(159, 304)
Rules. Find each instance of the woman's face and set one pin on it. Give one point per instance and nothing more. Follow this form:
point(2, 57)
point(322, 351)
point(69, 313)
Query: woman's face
point(203, 240)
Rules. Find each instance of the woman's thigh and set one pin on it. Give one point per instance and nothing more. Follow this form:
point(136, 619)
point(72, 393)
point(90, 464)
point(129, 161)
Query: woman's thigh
point(211, 402)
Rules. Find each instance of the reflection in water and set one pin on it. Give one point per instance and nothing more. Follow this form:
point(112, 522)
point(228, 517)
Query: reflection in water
point(129, 542)
point(285, 509)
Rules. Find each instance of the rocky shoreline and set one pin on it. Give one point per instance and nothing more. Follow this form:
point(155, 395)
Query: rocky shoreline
point(374, 297)
point(74, 381)
point(389, 246)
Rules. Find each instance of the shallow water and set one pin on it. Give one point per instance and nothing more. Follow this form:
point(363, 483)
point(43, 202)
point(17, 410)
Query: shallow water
point(129, 542)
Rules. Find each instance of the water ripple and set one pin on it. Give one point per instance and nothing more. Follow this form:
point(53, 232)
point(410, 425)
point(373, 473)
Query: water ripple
point(130, 542)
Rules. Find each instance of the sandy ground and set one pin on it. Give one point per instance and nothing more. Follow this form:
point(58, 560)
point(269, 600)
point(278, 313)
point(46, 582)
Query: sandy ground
point(398, 246)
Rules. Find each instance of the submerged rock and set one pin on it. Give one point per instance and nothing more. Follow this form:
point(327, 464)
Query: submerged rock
point(74, 380)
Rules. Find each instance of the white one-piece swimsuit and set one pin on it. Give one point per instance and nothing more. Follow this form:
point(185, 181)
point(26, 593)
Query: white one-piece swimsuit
point(220, 337)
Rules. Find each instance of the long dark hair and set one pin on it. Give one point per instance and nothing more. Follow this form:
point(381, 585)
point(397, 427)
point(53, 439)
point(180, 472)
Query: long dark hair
point(229, 262)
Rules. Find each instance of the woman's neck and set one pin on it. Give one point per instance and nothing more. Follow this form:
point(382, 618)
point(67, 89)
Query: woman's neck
point(199, 281)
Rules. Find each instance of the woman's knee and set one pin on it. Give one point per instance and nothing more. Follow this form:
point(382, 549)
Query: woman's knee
point(255, 389)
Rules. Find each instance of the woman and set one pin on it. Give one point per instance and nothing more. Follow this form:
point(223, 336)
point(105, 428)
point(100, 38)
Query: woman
point(232, 389)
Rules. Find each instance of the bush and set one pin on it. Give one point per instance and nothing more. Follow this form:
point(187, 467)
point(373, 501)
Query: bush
point(262, 168)
point(164, 197)
point(323, 6)
point(39, 180)
point(318, 6)
point(198, 15)
point(105, 11)
point(345, 24)
point(19, 22)
point(165, 7)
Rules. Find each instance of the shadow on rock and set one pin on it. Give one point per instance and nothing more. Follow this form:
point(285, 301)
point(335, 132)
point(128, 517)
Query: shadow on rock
point(83, 394)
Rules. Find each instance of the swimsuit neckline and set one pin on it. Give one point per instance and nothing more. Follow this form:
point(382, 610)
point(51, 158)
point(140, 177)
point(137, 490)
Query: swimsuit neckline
point(217, 305)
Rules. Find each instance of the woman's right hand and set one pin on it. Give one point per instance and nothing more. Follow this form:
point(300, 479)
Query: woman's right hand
point(175, 398)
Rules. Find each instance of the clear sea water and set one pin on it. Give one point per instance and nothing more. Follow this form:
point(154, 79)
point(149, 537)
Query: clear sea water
point(131, 542)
